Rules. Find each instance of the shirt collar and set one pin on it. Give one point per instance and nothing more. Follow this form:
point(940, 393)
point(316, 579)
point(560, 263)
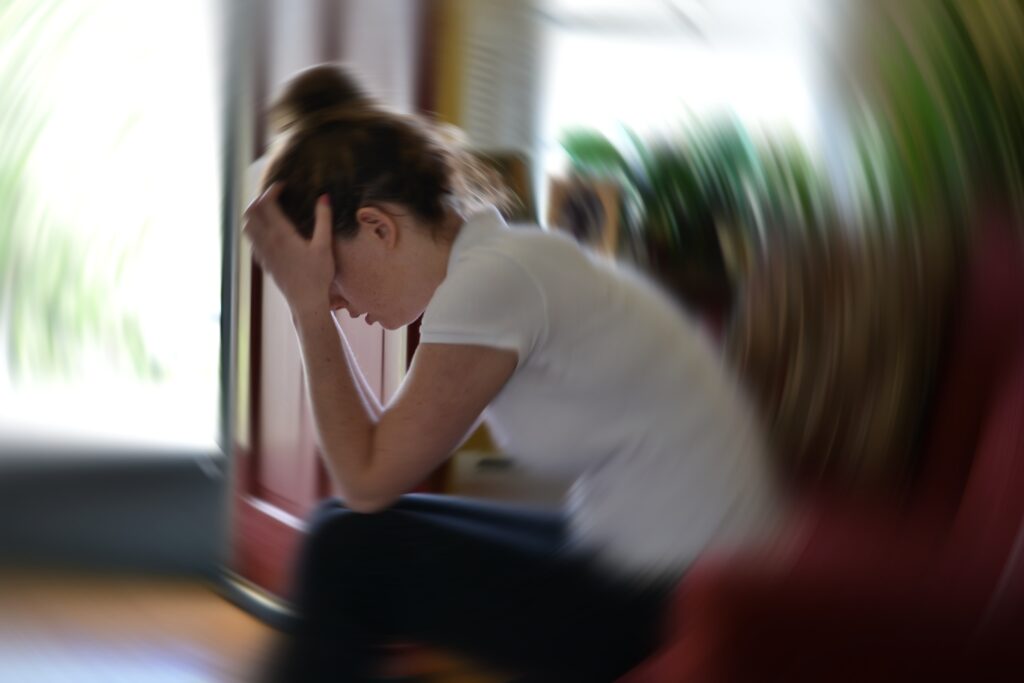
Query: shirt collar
point(478, 227)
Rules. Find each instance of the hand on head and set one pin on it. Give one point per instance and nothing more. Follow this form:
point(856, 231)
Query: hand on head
point(302, 269)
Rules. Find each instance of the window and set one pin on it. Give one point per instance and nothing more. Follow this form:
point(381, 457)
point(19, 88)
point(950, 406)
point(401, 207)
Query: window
point(110, 237)
point(652, 65)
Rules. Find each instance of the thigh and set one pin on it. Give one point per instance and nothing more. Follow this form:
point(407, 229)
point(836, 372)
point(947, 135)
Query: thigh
point(536, 527)
point(541, 528)
point(447, 580)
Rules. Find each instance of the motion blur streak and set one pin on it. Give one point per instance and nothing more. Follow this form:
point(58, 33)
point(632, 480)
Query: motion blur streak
point(834, 188)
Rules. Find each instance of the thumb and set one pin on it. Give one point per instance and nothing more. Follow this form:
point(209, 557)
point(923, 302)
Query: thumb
point(322, 224)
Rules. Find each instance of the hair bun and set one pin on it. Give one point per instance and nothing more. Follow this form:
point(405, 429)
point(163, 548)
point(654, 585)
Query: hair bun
point(317, 95)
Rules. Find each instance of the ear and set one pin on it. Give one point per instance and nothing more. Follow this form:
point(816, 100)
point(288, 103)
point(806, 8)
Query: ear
point(378, 224)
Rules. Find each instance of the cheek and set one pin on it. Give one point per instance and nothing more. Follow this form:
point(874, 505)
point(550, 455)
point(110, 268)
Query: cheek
point(402, 303)
point(365, 291)
point(377, 285)
point(359, 276)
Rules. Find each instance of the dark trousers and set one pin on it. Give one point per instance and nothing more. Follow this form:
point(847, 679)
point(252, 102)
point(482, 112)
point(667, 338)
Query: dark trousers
point(492, 582)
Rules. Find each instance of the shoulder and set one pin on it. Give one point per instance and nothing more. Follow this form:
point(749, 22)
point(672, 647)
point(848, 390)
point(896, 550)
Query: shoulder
point(505, 266)
point(489, 297)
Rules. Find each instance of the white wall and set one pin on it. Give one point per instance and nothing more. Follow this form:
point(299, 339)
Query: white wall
point(379, 38)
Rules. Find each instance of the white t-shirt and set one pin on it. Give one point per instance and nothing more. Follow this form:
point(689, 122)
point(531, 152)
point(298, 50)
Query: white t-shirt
point(615, 388)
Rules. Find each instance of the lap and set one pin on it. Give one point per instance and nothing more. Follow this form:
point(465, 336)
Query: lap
point(494, 581)
point(541, 528)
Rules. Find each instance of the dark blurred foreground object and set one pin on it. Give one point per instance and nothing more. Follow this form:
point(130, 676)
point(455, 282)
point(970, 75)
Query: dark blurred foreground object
point(861, 590)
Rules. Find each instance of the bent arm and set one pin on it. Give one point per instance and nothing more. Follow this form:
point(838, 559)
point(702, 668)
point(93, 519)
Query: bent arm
point(372, 459)
point(369, 396)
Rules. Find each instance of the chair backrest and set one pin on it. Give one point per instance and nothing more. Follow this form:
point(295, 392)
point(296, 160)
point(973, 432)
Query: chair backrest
point(976, 448)
point(986, 336)
point(987, 539)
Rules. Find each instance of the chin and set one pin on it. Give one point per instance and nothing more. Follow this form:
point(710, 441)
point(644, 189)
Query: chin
point(400, 321)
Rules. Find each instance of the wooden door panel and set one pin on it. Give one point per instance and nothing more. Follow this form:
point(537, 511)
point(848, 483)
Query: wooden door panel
point(266, 544)
point(279, 474)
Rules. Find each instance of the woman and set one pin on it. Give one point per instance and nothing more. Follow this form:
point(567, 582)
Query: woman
point(579, 368)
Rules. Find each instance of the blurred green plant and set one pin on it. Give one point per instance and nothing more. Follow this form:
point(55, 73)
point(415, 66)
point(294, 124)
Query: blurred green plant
point(713, 180)
point(944, 94)
point(936, 122)
point(57, 301)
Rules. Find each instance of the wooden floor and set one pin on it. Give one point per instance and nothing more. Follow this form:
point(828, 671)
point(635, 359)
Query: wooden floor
point(60, 628)
point(79, 629)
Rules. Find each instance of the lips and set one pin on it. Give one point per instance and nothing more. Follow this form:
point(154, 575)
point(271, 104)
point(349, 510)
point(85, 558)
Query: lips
point(369, 319)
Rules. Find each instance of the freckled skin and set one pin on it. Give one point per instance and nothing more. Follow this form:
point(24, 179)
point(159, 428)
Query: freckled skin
point(388, 270)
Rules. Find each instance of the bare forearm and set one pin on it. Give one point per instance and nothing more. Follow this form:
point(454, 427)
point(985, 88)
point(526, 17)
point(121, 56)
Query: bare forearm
point(365, 390)
point(344, 417)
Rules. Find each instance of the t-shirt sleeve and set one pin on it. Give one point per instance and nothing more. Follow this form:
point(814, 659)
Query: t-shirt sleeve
point(487, 299)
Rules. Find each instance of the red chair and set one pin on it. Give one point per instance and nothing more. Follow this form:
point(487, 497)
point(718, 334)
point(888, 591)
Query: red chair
point(865, 591)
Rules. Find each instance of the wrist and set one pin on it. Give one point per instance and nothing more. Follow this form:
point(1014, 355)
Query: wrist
point(308, 317)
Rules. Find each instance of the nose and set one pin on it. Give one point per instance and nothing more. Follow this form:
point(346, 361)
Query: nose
point(337, 301)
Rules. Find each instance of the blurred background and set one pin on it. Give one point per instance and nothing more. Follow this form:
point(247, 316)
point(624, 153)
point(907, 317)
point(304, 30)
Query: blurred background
point(816, 182)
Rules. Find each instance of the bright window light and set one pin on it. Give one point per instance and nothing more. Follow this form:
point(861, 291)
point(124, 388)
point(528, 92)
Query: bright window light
point(110, 240)
point(656, 66)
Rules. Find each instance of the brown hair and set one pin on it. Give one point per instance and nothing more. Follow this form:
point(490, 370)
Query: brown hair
point(336, 140)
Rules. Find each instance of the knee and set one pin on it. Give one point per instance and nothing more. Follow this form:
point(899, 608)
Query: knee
point(337, 551)
point(332, 524)
point(324, 511)
point(337, 535)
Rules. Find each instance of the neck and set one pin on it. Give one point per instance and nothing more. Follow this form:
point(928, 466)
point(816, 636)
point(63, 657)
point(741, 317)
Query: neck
point(433, 255)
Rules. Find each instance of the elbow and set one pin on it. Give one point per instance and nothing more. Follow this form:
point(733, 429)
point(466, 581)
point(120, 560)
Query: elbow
point(363, 488)
point(368, 505)
point(358, 488)
point(367, 501)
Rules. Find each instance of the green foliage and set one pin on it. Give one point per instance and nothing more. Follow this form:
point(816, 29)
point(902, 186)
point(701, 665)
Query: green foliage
point(684, 189)
point(57, 292)
point(591, 153)
point(938, 121)
point(946, 92)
